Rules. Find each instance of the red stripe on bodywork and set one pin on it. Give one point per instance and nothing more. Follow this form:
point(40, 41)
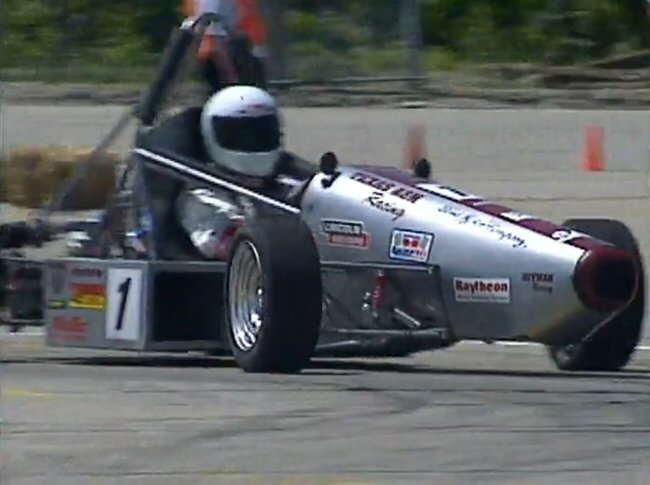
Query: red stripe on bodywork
point(540, 226)
point(586, 243)
point(491, 208)
point(537, 225)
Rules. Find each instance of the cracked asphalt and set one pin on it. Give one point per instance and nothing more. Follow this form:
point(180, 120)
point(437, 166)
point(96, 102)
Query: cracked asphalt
point(469, 414)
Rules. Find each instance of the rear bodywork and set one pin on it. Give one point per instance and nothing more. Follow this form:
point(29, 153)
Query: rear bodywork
point(492, 273)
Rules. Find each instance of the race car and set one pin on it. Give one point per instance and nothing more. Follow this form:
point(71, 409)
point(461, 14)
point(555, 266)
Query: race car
point(333, 259)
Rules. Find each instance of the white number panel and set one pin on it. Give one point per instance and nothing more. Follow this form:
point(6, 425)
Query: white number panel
point(123, 309)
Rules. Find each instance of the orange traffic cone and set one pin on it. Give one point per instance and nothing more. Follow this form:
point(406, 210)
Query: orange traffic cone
point(414, 148)
point(593, 157)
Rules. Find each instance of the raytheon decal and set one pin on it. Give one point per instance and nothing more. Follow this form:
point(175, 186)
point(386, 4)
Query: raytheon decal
point(482, 290)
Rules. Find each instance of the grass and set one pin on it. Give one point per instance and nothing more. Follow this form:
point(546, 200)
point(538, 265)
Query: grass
point(88, 73)
point(30, 176)
point(308, 61)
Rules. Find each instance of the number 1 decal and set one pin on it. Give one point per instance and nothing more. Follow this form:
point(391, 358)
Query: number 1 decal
point(123, 319)
point(123, 289)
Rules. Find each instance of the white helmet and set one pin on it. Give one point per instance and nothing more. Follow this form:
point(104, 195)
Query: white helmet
point(241, 130)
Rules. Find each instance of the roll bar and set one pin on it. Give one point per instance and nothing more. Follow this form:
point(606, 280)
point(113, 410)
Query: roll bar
point(181, 39)
point(147, 109)
point(201, 22)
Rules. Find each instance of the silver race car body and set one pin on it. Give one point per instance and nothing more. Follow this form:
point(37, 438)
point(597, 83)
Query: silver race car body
point(444, 262)
point(492, 273)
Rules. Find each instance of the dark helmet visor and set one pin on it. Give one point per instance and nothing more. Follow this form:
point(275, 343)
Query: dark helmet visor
point(247, 134)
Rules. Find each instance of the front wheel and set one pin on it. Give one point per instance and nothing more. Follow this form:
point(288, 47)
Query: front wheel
point(273, 295)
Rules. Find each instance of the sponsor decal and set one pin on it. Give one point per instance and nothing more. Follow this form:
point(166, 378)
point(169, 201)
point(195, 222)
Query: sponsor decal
point(56, 304)
point(345, 233)
point(406, 194)
point(482, 290)
point(410, 246)
point(489, 224)
point(57, 277)
point(403, 192)
point(86, 273)
point(378, 201)
point(87, 296)
point(539, 281)
point(69, 329)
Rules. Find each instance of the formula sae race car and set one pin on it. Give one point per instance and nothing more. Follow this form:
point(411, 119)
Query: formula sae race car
point(334, 259)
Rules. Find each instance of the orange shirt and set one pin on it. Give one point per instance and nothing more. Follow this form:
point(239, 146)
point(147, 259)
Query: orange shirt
point(249, 17)
point(250, 21)
point(188, 8)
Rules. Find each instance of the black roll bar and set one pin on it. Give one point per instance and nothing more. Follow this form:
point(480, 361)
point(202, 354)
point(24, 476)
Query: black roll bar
point(145, 111)
point(180, 41)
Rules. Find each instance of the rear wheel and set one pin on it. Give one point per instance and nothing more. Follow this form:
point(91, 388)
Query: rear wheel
point(273, 295)
point(612, 346)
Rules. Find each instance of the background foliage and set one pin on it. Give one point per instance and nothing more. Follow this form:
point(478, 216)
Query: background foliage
point(334, 36)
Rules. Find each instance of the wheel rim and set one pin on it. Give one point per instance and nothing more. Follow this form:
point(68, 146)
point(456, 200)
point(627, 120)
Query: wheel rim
point(246, 296)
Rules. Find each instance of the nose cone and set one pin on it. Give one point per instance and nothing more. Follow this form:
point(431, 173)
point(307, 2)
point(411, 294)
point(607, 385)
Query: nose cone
point(606, 278)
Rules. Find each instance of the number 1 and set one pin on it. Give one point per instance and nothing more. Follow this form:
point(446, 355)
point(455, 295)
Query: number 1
point(123, 289)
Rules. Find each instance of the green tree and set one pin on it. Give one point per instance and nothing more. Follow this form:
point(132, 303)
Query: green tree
point(364, 33)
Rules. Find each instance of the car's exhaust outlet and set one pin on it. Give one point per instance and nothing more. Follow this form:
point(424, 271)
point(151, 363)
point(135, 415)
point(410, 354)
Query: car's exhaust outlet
point(606, 278)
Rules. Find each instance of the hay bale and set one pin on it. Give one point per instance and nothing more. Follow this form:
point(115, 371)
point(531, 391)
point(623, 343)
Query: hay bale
point(31, 176)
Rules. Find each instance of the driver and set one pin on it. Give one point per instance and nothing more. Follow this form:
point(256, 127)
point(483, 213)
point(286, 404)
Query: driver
point(215, 61)
point(240, 126)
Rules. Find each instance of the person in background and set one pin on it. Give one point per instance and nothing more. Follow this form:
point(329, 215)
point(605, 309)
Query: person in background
point(243, 33)
point(213, 55)
point(251, 23)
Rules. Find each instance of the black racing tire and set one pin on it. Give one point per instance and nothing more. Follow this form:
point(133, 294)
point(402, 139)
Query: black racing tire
point(278, 255)
point(611, 347)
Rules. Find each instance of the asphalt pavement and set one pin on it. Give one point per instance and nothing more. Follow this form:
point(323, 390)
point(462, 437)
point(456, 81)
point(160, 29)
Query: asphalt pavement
point(470, 414)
